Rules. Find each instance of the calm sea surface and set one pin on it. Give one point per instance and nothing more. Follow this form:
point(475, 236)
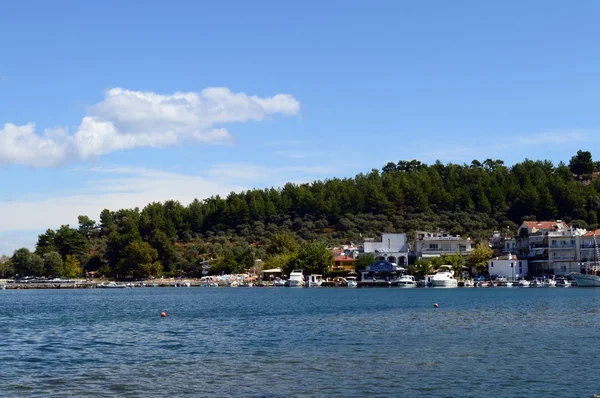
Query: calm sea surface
point(279, 342)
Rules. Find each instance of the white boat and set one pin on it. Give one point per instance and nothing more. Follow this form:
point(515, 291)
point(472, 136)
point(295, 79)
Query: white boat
point(278, 282)
point(523, 283)
point(444, 278)
point(590, 278)
point(2, 286)
point(468, 283)
point(563, 282)
point(314, 280)
point(550, 283)
point(586, 280)
point(407, 281)
point(536, 283)
point(352, 282)
point(111, 285)
point(296, 279)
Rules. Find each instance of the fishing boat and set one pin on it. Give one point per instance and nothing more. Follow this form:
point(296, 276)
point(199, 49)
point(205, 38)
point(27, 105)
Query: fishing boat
point(590, 278)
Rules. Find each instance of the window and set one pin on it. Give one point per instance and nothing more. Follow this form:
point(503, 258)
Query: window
point(433, 246)
point(492, 264)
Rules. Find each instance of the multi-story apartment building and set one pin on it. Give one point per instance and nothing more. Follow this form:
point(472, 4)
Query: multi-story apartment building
point(551, 247)
point(392, 247)
point(435, 244)
point(589, 253)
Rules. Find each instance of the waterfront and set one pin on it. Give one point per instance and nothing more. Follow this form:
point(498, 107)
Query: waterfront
point(299, 342)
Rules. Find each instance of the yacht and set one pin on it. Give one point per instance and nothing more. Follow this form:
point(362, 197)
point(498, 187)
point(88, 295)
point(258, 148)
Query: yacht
point(314, 280)
point(407, 281)
point(444, 277)
point(296, 279)
point(352, 282)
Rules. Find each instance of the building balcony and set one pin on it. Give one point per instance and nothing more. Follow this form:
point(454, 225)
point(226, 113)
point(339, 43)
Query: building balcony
point(443, 250)
point(539, 245)
point(567, 246)
point(563, 258)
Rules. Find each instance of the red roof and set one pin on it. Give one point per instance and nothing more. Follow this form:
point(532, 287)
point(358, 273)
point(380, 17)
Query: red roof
point(544, 225)
point(344, 258)
point(592, 233)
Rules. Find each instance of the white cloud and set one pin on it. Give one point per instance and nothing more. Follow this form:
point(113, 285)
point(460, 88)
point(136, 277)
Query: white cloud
point(128, 119)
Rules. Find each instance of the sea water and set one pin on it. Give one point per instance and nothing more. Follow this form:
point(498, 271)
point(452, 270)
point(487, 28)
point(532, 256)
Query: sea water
point(280, 342)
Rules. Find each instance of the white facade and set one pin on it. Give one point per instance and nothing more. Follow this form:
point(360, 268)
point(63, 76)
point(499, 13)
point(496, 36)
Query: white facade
point(509, 267)
point(436, 244)
point(392, 247)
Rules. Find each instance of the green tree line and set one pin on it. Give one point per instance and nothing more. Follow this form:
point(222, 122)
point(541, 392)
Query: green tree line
point(171, 238)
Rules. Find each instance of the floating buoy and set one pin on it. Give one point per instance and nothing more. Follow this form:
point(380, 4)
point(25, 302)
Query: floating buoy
point(164, 314)
point(435, 305)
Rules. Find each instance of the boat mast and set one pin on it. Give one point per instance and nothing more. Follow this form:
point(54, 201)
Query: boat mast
point(596, 255)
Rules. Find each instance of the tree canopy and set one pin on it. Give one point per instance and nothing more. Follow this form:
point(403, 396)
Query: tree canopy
point(273, 224)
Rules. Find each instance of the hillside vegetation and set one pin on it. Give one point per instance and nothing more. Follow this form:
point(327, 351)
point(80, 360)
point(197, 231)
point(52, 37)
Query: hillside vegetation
point(172, 238)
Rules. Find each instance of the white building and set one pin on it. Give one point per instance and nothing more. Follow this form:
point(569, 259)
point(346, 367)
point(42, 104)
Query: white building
point(435, 244)
point(508, 266)
point(392, 247)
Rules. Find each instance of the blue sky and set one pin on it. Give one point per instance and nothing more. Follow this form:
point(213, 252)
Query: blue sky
point(115, 104)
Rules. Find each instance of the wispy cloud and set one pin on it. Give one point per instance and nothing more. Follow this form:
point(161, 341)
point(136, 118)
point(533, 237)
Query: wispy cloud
point(117, 187)
point(274, 175)
point(128, 119)
point(556, 137)
point(501, 145)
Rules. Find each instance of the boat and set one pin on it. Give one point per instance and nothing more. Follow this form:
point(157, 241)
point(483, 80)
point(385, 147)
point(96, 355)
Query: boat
point(563, 282)
point(590, 278)
point(425, 282)
point(296, 279)
point(278, 282)
point(550, 282)
point(2, 286)
point(444, 278)
point(352, 282)
point(523, 283)
point(407, 281)
point(468, 283)
point(536, 283)
point(111, 285)
point(314, 280)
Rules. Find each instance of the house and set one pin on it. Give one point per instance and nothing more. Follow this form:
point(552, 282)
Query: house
point(392, 247)
point(508, 266)
point(435, 244)
point(344, 263)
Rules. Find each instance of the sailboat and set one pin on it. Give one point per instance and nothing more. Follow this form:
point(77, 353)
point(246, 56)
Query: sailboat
point(590, 278)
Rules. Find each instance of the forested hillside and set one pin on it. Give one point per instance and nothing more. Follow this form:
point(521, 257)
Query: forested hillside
point(463, 199)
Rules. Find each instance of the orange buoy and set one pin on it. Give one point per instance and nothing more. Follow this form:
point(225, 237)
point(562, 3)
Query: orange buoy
point(435, 305)
point(163, 314)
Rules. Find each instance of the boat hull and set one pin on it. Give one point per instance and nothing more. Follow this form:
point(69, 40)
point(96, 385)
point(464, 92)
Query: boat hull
point(444, 283)
point(586, 280)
